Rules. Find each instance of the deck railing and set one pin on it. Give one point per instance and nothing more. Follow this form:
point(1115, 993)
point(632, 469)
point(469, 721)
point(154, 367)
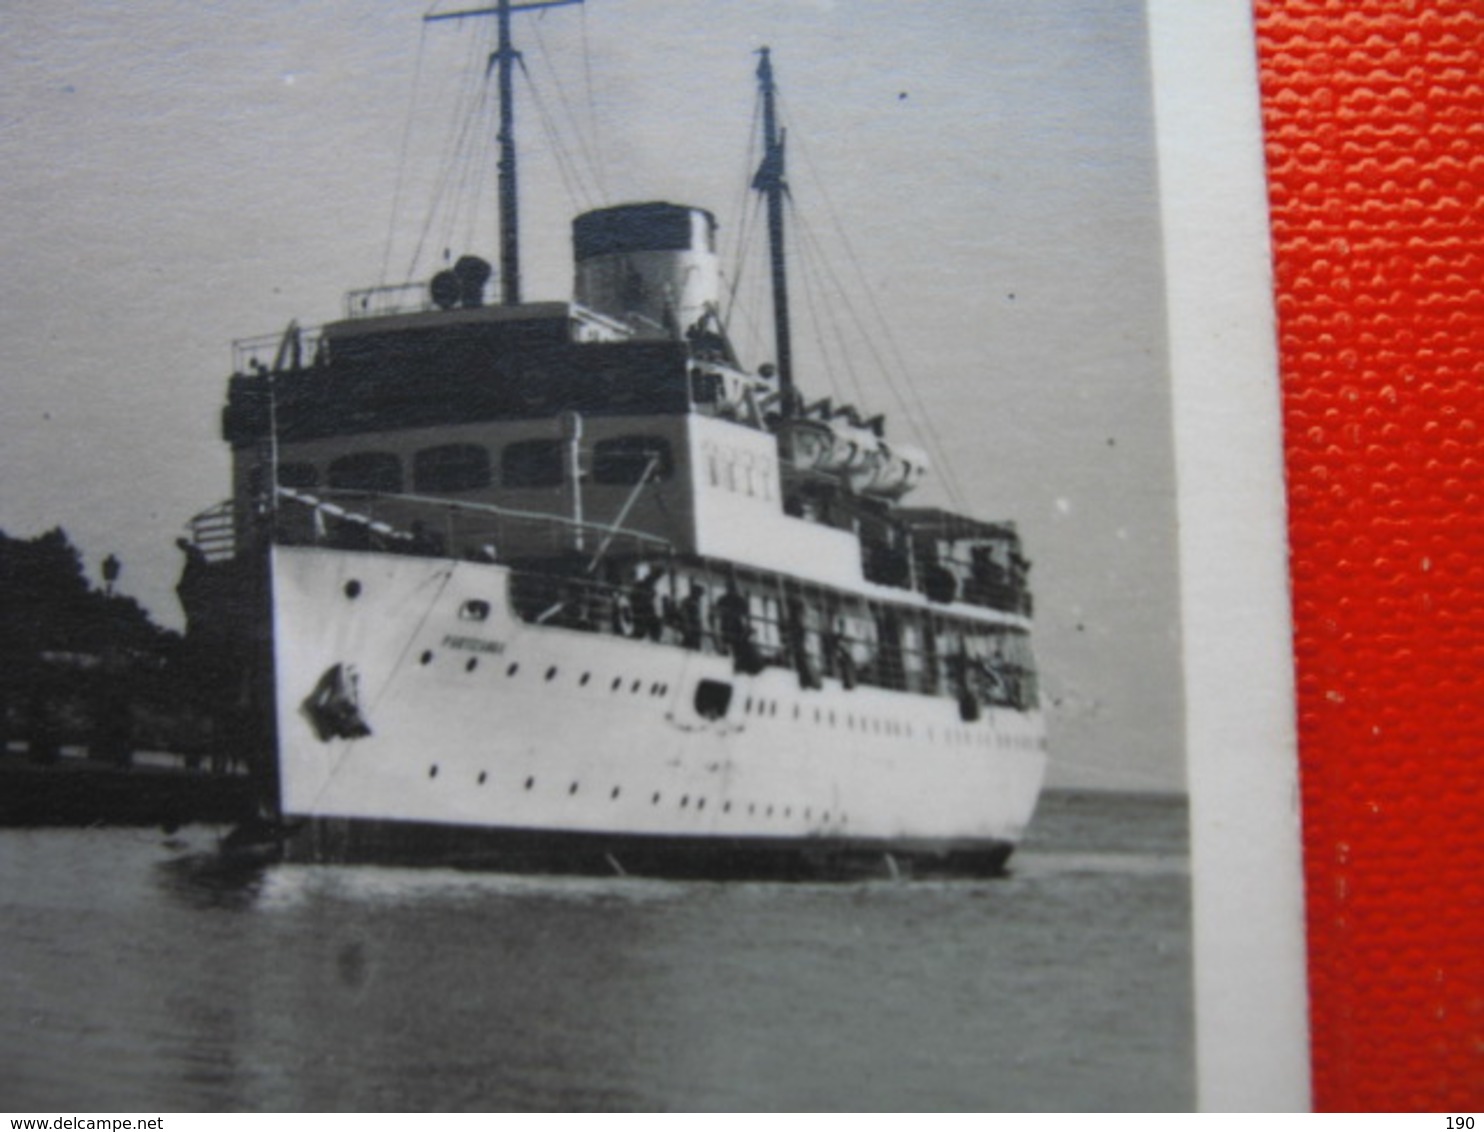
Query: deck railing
point(605, 579)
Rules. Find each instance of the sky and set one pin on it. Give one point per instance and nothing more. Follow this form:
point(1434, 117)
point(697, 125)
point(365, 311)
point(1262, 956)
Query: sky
point(980, 174)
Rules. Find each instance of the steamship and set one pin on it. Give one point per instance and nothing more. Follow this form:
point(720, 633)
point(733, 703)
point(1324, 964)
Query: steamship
point(568, 587)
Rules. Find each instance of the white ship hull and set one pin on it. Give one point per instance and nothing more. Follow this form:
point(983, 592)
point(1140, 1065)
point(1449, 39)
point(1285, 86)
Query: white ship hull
point(497, 743)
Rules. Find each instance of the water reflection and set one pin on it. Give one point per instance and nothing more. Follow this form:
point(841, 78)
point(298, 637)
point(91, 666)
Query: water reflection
point(203, 879)
point(185, 985)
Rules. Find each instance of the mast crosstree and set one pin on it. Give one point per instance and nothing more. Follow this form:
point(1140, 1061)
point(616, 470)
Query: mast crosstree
point(505, 58)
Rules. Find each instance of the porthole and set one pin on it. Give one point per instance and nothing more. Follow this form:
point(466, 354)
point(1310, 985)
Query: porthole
point(788, 811)
point(808, 813)
point(684, 801)
point(572, 789)
point(752, 807)
point(825, 817)
point(474, 610)
point(513, 669)
point(352, 589)
point(530, 782)
point(482, 776)
point(433, 771)
point(551, 674)
point(471, 664)
point(700, 803)
point(654, 689)
point(770, 812)
point(655, 800)
point(426, 658)
point(613, 793)
point(586, 676)
point(617, 681)
point(726, 807)
point(636, 686)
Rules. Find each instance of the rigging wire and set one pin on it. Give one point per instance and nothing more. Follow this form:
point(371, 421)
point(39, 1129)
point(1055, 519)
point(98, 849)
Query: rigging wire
point(748, 303)
point(814, 302)
point(567, 166)
point(749, 167)
point(746, 217)
point(918, 423)
point(459, 210)
point(417, 79)
point(473, 94)
point(739, 256)
point(469, 200)
point(914, 410)
point(582, 142)
point(600, 168)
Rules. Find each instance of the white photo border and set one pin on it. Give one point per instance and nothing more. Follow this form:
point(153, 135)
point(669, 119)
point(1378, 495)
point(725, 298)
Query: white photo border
point(1251, 986)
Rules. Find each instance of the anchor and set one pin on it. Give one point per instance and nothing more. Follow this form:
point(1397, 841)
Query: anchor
point(332, 708)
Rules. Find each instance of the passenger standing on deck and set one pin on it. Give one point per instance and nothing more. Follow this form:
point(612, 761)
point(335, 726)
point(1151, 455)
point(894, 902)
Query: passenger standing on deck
point(795, 637)
point(736, 629)
point(692, 617)
point(646, 605)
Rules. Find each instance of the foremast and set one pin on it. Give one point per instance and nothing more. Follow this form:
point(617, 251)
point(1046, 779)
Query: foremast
point(505, 57)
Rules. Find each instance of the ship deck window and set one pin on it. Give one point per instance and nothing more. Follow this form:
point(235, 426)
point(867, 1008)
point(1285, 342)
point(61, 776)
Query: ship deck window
point(622, 459)
point(367, 471)
point(531, 463)
point(451, 467)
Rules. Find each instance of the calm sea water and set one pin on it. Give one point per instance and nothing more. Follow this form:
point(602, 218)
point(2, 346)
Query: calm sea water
point(132, 978)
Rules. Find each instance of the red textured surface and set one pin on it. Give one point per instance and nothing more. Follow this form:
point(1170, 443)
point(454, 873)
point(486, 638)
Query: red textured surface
point(1374, 112)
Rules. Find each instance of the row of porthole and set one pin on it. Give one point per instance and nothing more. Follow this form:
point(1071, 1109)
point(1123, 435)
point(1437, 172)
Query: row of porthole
point(767, 708)
point(874, 725)
point(685, 799)
point(877, 726)
point(759, 707)
point(656, 688)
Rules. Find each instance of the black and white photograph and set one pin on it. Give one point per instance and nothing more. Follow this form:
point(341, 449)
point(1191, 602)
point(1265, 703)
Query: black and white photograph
point(616, 555)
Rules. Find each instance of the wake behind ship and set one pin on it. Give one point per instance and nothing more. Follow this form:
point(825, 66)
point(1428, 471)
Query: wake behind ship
point(566, 586)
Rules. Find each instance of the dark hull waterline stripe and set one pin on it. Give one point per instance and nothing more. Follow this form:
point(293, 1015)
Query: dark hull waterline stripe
point(425, 844)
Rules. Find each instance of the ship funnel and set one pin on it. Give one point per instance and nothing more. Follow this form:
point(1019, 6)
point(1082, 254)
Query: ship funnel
point(651, 265)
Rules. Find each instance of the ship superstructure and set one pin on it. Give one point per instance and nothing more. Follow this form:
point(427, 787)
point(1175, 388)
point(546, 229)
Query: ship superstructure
point(566, 585)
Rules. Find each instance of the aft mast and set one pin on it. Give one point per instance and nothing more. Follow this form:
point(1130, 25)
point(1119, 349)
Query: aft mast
point(505, 57)
point(769, 181)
